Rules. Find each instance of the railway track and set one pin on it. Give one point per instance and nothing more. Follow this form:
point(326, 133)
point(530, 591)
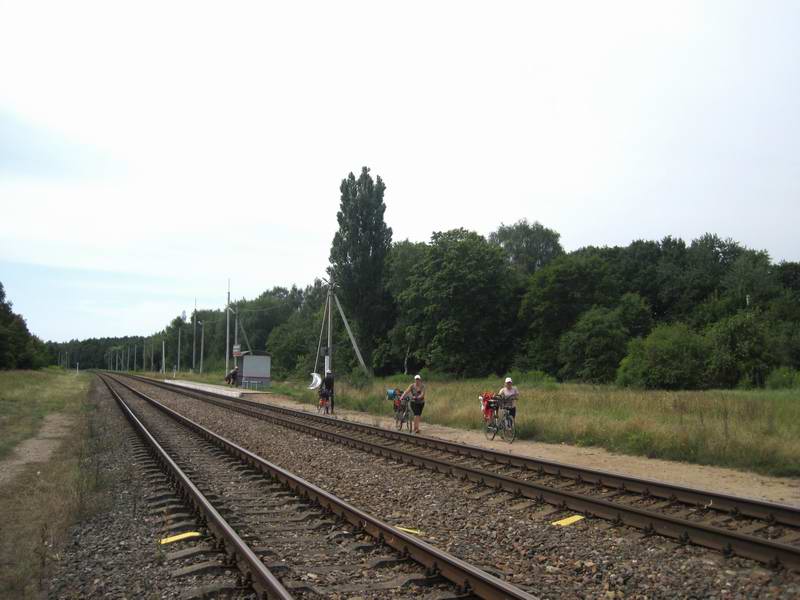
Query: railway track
point(762, 531)
point(289, 537)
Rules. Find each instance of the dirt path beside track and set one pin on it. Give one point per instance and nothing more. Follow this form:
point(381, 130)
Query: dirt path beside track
point(38, 448)
point(718, 479)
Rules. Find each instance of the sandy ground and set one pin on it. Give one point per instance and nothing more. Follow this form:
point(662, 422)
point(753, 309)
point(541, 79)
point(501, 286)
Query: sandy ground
point(37, 449)
point(718, 479)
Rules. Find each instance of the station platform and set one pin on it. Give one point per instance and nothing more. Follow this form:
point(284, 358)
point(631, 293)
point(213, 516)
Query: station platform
point(217, 389)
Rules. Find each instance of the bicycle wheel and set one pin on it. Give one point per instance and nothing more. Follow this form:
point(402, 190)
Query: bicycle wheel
point(491, 429)
point(409, 419)
point(508, 431)
point(398, 419)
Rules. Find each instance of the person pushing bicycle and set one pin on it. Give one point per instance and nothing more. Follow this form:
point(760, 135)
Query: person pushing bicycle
point(509, 394)
point(416, 391)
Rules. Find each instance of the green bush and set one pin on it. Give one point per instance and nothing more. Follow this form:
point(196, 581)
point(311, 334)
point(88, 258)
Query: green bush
point(591, 351)
point(358, 379)
point(739, 351)
point(532, 378)
point(671, 357)
point(783, 378)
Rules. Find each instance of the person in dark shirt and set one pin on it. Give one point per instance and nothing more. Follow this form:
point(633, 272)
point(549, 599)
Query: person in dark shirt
point(327, 384)
point(233, 376)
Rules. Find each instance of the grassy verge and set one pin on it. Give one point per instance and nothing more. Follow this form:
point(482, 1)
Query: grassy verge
point(27, 396)
point(44, 499)
point(755, 430)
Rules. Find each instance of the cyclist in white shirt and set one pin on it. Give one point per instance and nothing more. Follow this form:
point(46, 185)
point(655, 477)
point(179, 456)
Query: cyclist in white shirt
point(509, 393)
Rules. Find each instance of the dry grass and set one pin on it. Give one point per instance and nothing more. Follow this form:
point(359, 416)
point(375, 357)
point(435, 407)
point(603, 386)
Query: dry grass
point(756, 430)
point(27, 396)
point(40, 504)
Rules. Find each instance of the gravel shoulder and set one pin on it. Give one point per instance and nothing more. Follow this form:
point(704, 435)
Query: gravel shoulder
point(114, 552)
point(512, 538)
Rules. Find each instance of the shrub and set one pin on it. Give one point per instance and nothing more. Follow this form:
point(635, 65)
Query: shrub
point(783, 378)
point(671, 357)
point(533, 378)
point(592, 349)
point(739, 351)
point(358, 378)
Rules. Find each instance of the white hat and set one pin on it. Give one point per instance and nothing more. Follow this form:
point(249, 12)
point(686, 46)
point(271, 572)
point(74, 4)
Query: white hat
point(417, 377)
point(508, 380)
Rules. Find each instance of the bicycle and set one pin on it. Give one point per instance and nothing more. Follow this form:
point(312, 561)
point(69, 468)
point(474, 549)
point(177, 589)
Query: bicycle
point(324, 406)
point(500, 422)
point(403, 415)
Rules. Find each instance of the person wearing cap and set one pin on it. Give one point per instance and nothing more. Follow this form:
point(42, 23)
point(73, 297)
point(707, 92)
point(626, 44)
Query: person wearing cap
point(509, 393)
point(417, 393)
point(327, 385)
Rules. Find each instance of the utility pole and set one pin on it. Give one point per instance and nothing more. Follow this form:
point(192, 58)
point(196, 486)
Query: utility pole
point(194, 332)
point(134, 357)
point(163, 357)
point(236, 336)
point(228, 327)
point(202, 338)
point(329, 361)
point(179, 349)
point(152, 360)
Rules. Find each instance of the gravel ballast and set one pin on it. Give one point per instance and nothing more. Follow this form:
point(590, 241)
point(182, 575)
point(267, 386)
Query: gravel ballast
point(507, 536)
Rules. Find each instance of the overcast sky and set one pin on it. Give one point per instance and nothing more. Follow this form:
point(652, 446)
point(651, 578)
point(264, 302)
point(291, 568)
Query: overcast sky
point(151, 150)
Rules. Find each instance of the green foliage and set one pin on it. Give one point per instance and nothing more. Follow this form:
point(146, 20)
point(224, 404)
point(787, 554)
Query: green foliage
point(634, 314)
point(739, 350)
point(358, 255)
point(18, 348)
point(671, 357)
point(557, 295)
point(788, 274)
point(358, 379)
point(783, 378)
point(461, 304)
point(751, 280)
point(401, 349)
point(529, 246)
point(464, 306)
point(538, 379)
point(592, 349)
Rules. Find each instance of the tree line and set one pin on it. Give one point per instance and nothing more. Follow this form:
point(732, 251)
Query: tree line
point(19, 349)
point(654, 314)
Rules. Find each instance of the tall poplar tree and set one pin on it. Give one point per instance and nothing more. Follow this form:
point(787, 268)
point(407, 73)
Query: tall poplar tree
point(358, 254)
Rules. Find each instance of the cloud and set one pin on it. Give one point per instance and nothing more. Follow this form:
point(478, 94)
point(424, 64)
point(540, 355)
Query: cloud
point(32, 152)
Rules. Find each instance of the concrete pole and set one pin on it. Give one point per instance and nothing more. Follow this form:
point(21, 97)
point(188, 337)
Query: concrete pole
point(179, 349)
point(236, 336)
point(194, 333)
point(163, 357)
point(202, 339)
point(228, 327)
point(134, 357)
point(330, 330)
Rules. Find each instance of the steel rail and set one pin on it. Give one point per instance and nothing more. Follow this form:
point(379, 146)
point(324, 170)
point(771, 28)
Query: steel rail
point(728, 542)
point(736, 506)
point(257, 574)
point(464, 575)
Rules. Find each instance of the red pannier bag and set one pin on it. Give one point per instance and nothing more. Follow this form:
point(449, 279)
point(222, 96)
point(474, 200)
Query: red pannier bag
point(489, 405)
